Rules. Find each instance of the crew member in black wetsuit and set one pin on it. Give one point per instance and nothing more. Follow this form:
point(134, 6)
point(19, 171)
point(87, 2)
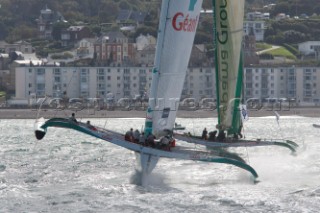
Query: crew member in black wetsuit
point(204, 134)
point(73, 118)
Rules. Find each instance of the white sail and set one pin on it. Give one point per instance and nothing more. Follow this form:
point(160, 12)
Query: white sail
point(228, 16)
point(177, 28)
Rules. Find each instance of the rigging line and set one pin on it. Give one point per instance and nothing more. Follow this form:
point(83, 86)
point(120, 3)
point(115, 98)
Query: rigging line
point(45, 97)
point(244, 137)
point(193, 133)
point(278, 119)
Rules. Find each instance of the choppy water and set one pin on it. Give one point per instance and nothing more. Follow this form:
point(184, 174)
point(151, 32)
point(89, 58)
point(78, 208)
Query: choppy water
point(71, 172)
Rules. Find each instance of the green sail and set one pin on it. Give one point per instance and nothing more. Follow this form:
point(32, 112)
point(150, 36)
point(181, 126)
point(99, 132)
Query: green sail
point(228, 31)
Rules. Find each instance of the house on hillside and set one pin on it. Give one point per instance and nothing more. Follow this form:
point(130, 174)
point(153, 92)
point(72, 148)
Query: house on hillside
point(257, 15)
point(143, 41)
point(3, 45)
point(281, 16)
point(309, 47)
point(114, 49)
point(258, 27)
point(85, 48)
point(21, 46)
point(145, 56)
point(73, 34)
point(45, 22)
point(4, 61)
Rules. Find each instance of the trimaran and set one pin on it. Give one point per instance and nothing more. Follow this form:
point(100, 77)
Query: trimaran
point(177, 27)
point(228, 33)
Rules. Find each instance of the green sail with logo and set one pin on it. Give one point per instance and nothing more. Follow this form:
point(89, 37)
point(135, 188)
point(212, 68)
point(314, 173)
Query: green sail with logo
point(228, 31)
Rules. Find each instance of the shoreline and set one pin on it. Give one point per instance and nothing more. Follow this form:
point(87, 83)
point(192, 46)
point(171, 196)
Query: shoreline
point(49, 113)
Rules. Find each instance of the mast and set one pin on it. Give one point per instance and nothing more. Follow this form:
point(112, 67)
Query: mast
point(155, 70)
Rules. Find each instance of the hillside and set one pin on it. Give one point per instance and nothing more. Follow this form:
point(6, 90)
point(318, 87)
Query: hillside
point(18, 17)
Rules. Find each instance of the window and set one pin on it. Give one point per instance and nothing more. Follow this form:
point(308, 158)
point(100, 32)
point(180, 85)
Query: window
point(40, 71)
point(40, 86)
point(57, 79)
point(56, 71)
point(126, 71)
point(83, 79)
point(248, 85)
point(101, 71)
point(118, 77)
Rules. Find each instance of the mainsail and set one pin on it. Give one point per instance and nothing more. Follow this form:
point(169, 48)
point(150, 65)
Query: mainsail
point(228, 31)
point(177, 28)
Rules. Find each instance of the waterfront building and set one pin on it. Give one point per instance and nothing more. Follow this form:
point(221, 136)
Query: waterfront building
point(301, 84)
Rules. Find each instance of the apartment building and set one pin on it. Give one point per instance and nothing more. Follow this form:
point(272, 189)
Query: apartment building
point(299, 83)
point(81, 82)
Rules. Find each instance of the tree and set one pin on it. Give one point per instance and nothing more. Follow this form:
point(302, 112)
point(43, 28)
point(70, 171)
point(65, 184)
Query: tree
point(21, 32)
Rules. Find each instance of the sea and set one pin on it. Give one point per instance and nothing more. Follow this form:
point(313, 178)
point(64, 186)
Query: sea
point(69, 171)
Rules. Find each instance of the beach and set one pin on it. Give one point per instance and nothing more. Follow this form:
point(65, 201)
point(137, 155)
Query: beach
point(91, 113)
